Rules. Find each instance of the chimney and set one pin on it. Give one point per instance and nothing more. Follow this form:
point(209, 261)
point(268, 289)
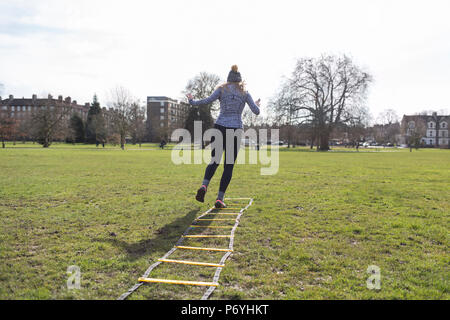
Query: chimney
point(34, 97)
point(50, 97)
point(74, 102)
point(87, 105)
point(60, 98)
point(68, 100)
point(11, 97)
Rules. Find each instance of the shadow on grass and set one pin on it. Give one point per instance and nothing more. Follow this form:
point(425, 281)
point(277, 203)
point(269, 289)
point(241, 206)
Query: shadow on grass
point(166, 237)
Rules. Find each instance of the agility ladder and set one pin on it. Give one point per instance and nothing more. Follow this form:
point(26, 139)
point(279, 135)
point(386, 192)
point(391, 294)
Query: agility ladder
point(227, 252)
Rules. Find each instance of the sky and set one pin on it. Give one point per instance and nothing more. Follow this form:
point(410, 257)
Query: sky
point(81, 47)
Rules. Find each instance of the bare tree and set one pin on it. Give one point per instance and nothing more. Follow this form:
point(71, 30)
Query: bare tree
point(287, 112)
point(201, 87)
point(414, 132)
point(250, 119)
point(137, 123)
point(327, 91)
point(120, 115)
point(389, 126)
point(388, 116)
point(50, 122)
point(110, 133)
point(8, 127)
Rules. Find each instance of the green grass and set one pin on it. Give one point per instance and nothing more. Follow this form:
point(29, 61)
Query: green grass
point(312, 232)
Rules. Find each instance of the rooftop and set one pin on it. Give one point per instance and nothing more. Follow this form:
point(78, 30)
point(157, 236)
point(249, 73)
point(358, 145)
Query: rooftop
point(30, 101)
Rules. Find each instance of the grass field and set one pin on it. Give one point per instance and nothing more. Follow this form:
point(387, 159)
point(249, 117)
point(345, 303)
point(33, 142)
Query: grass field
point(312, 232)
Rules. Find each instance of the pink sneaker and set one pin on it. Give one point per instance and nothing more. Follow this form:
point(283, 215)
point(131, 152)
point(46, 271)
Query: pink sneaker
point(220, 205)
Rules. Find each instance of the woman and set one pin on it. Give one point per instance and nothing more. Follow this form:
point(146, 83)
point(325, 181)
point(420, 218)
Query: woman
point(232, 97)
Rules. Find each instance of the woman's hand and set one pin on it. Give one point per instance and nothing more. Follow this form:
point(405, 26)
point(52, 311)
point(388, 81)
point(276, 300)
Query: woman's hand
point(258, 103)
point(189, 96)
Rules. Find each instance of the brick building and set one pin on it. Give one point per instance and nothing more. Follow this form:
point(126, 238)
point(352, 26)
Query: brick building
point(164, 115)
point(21, 109)
point(433, 129)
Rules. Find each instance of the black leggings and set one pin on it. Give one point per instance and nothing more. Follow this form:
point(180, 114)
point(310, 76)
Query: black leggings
point(228, 164)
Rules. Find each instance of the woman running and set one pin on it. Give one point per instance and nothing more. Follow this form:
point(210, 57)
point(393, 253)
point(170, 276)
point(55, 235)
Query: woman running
point(232, 97)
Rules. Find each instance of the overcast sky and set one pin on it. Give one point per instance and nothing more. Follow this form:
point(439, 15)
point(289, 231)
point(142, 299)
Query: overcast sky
point(80, 47)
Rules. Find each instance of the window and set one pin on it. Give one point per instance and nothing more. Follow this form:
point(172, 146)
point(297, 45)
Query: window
point(13, 109)
point(162, 104)
point(162, 117)
point(163, 110)
point(162, 124)
point(443, 125)
point(411, 124)
point(430, 125)
point(4, 108)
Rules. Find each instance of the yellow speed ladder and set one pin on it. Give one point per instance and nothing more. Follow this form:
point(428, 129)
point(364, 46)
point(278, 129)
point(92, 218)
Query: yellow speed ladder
point(195, 226)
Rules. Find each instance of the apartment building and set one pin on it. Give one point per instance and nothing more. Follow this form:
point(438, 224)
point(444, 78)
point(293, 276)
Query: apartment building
point(164, 115)
point(21, 109)
point(433, 129)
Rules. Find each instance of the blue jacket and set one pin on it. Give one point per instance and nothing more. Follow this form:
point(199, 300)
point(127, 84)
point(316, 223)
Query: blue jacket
point(232, 104)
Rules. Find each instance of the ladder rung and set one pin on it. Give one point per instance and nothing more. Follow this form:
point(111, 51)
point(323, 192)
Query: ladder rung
point(189, 283)
point(215, 219)
point(193, 263)
point(213, 227)
point(206, 236)
point(223, 213)
point(204, 249)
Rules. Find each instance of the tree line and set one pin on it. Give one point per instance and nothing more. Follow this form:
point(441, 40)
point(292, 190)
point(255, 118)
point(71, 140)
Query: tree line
point(321, 101)
point(55, 121)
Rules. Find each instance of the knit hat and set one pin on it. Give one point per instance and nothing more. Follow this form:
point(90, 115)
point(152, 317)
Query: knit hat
point(234, 75)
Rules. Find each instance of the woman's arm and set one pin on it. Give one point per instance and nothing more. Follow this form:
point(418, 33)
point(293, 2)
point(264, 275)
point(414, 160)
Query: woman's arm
point(208, 100)
point(253, 106)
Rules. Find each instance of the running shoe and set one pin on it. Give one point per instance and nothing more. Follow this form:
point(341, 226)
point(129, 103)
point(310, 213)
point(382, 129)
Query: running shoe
point(220, 205)
point(201, 194)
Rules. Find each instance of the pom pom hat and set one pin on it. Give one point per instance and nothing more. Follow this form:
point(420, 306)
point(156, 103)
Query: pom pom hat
point(234, 75)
